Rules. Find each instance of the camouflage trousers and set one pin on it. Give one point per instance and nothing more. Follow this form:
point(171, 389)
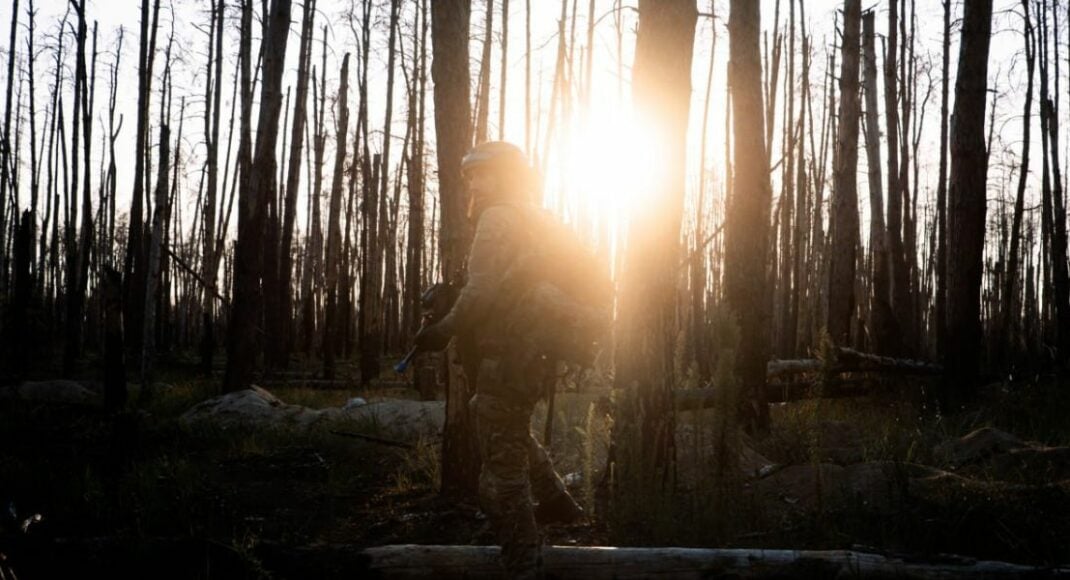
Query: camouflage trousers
point(515, 467)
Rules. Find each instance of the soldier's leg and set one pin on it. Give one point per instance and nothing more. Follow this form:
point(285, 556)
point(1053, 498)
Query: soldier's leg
point(505, 487)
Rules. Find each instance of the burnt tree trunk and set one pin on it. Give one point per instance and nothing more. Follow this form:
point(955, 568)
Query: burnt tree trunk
point(966, 204)
point(844, 215)
point(293, 182)
point(334, 228)
point(747, 216)
point(646, 326)
point(253, 202)
point(881, 317)
point(450, 74)
point(1008, 340)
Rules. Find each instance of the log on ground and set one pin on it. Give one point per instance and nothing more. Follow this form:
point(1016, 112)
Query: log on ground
point(563, 562)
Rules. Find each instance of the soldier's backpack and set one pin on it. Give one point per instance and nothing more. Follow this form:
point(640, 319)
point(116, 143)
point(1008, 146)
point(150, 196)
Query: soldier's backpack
point(563, 296)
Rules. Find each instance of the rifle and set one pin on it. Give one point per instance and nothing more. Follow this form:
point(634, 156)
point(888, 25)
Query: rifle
point(435, 304)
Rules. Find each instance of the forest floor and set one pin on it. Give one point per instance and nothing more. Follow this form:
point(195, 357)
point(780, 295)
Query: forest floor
point(144, 491)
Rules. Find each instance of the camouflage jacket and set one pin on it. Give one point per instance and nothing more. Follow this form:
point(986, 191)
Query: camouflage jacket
point(502, 235)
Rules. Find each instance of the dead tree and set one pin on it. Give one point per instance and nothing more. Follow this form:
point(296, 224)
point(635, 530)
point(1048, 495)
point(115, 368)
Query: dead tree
point(5, 140)
point(252, 214)
point(881, 317)
point(1053, 190)
point(600, 563)
point(76, 258)
point(385, 269)
point(966, 204)
point(213, 92)
point(896, 252)
point(843, 221)
point(293, 180)
point(643, 359)
point(334, 228)
point(450, 73)
point(747, 216)
point(483, 91)
point(1009, 318)
point(414, 247)
point(134, 261)
point(940, 312)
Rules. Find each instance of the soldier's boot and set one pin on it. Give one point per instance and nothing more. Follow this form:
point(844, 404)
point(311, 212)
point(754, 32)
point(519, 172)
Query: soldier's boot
point(558, 509)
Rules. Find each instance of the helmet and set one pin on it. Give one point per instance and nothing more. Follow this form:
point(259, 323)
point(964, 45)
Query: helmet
point(519, 180)
point(498, 154)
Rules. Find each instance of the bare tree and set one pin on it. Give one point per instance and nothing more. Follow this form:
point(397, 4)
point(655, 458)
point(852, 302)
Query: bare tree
point(966, 203)
point(747, 217)
point(644, 367)
point(449, 71)
point(248, 259)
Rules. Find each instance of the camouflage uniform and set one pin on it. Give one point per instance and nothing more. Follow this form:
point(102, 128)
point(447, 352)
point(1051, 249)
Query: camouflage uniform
point(508, 382)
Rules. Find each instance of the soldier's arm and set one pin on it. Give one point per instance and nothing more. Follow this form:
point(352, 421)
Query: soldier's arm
point(492, 252)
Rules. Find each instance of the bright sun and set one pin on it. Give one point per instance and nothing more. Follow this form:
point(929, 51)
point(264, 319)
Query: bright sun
point(612, 162)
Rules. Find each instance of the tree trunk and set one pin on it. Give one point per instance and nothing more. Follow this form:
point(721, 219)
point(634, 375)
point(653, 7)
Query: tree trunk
point(966, 204)
point(646, 326)
point(334, 228)
point(843, 221)
point(1009, 318)
point(941, 189)
point(5, 140)
point(897, 261)
point(747, 216)
point(134, 262)
point(253, 201)
point(881, 320)
point(293, 182)
point(449, 71)
point(209, 263)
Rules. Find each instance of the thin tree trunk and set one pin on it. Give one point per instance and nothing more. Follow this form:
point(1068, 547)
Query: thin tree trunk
point(1010, 308)
point(882, 319)
point(293, 181)
point(483, 94)
point(209, 262)
point(5, 141)
point(334, 231)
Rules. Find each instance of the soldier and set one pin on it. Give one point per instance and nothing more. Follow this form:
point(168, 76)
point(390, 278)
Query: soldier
point(511, 370)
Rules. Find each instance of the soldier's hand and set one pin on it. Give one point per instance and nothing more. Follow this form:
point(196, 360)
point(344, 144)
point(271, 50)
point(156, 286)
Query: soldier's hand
point(432, 338)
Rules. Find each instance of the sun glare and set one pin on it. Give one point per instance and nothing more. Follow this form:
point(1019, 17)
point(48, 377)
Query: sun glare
point(611, 164)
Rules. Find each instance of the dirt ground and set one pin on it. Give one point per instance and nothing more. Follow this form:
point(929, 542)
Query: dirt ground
point(81, 490)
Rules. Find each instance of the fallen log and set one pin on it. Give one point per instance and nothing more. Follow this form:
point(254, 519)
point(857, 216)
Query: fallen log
point(474, 562)
point(848, 360)
point(778, 392)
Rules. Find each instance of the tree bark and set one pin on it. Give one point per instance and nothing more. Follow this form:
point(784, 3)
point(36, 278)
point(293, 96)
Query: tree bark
point(1010, 307)
point(881, 317)
point(645, 326)
point(844, 215)
point(334, 227)
point(253, 200)
point(966, 204)
point(941, 189)
point(450, 73)
point(747, 216)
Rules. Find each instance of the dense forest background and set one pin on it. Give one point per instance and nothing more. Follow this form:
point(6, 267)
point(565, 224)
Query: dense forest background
point(795, 199)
